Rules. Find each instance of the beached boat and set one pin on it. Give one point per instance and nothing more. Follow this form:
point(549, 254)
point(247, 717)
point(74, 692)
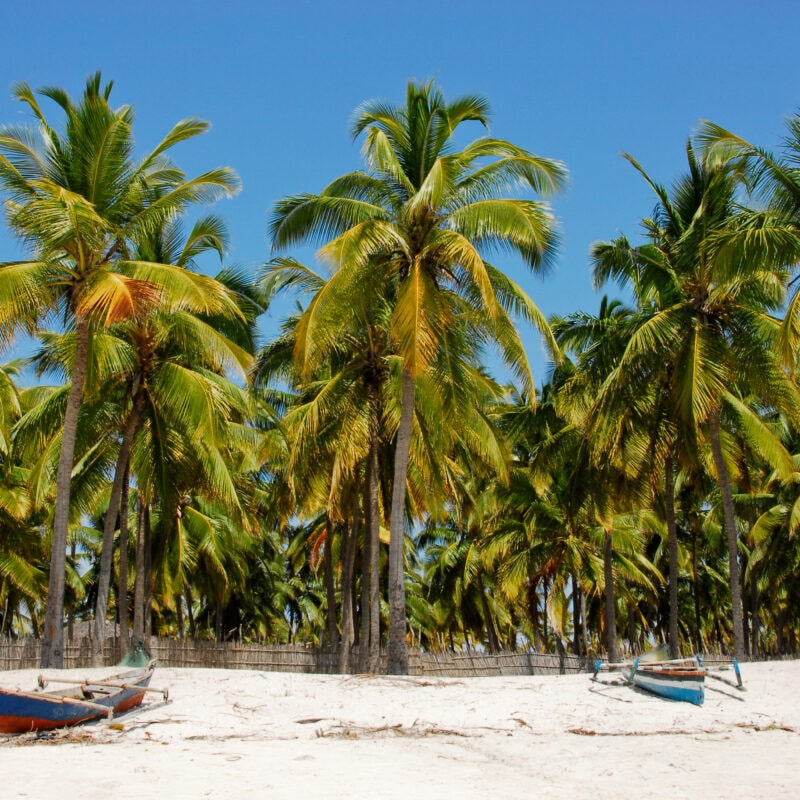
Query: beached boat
point(676, 680)
point(79, 701)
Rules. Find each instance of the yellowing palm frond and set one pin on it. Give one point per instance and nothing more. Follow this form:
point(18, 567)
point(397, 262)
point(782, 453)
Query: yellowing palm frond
point(115, 297)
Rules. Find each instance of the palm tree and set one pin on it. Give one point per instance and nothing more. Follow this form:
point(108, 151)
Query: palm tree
point(632, 415)
point(334, 429)
point(78, 199)
point(172, 336)
point(603, 484)
point(422, 216)
point(706, 330)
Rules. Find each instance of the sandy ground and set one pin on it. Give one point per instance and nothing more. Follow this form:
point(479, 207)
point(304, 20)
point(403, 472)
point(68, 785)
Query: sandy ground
point(243, 734)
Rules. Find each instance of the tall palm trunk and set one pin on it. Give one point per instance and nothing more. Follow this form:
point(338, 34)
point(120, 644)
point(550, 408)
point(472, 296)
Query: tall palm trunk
point(398, 650)
point(122, 591)
point(53, 636)
point(545, 620)
point(533, 612)
point(330, 588)
point(181, 623)
point(577, 615)
point(698, 625)
point(611, 611)
point(730, 530)
point(138, 586)
point(364, 622)
point(110, 524)
point(370, 641)
point(187, 591)
point(585, 647)
point(348, 562)
point(754, 618)
point(147, 606)
point(672, 539)
point(73, 551)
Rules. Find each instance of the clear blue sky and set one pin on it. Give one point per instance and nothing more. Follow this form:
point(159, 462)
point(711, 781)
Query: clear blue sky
point(280, 80)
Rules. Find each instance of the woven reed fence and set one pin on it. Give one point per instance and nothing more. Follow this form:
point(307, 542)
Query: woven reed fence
point(25, 654)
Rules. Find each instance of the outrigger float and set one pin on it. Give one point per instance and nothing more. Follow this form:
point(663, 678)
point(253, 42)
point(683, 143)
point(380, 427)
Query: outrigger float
point(680, 679)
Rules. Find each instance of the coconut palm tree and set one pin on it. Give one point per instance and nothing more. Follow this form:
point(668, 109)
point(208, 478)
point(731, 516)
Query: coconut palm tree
point(604, 486)
point(78, 198)
point(424, 216)
point(170, 336)
point(706, 331)
point(335, 431)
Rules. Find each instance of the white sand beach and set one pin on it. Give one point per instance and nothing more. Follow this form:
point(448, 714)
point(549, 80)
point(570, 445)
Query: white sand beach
point(243, 734)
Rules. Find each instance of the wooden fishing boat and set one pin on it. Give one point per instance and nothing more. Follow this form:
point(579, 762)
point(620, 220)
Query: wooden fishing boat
point(677, 680)
point(78, 702)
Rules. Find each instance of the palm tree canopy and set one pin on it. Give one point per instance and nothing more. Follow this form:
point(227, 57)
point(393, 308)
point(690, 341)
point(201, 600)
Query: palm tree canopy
point(78, 199)
point(425, 216)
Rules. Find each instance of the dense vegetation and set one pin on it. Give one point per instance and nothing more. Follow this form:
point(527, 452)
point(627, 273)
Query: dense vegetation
point(364, 480)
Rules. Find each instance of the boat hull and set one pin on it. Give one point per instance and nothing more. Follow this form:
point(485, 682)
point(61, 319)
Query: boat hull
point(22, 712)
point(686, 685)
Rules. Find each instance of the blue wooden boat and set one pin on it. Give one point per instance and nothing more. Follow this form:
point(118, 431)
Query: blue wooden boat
point(36, 710)
point(681, 679)
point(676, 680)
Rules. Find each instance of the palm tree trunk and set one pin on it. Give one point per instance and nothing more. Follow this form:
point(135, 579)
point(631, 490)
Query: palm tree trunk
point(190, 611)
point(147, 608)
point(584, 625)
point(369, 640)
point(672, 539)
point(374, 583)
point(5, 627)
point(733, 538)
point(138, 586)
point(366, 582)
point(491, 633)
point(611, 612)
point(179, 616)
point(745, 611)
point(698, 633)
point(577, 618)
point(545, 621)
point(754, 618)
point(53, 635)
point(110, 524)
point(632, 630)
point(398, 650)
point(122, 591)
point(218, 621)
point(348, 565)
point(533, 612)
point(330, 588)
point(73, 549)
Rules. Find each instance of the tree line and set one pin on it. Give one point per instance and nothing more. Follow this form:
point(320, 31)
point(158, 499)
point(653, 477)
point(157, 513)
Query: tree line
point(362, 479)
